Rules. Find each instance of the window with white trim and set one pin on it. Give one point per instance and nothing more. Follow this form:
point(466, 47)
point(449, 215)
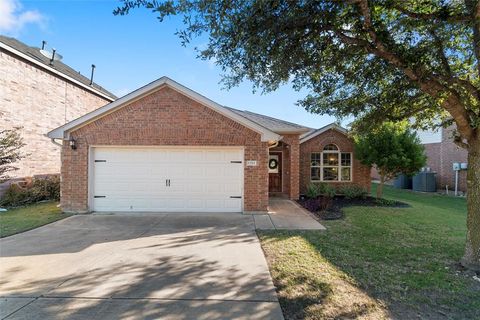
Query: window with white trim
point(331, 165)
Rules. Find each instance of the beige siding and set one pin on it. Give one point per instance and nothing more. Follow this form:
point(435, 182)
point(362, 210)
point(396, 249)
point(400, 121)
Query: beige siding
point(39, 102)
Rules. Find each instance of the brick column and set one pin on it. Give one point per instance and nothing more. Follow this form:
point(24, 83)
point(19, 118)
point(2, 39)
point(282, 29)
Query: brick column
point(295, 169)
point(293, 142)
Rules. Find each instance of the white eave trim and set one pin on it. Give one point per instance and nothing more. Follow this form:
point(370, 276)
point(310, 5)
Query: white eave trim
point(55, 71)
point(311, 135)
point(293, 131)
point(62, 132)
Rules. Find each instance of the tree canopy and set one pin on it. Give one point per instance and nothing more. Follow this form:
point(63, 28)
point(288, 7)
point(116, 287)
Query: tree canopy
point(393, 149)
point(377, 60)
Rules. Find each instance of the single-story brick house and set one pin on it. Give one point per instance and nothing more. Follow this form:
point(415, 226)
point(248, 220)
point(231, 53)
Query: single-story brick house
point(165, 147)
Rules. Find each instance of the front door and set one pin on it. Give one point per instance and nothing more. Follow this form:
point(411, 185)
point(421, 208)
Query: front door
point(275, 172)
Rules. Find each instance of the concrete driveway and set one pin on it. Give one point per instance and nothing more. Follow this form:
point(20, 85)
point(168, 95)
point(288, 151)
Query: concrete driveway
point(165, 266)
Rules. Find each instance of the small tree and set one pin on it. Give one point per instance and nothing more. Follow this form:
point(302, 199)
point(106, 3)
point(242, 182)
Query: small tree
point(11, 144)
point(393, 149)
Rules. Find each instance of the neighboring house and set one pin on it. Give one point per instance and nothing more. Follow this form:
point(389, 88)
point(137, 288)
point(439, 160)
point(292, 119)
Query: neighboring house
point(38, 95)
point(165, 147)
point(441, 153)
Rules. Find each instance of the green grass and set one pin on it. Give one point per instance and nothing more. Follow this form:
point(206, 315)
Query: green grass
point(378, 263)
point(29, 217)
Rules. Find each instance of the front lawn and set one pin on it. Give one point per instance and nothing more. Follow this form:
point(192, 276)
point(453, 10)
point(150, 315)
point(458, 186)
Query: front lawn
point(29, 217)
point(378, 262)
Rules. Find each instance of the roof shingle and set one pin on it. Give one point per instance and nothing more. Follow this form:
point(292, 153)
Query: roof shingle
point(61, 67)
point(273, 124)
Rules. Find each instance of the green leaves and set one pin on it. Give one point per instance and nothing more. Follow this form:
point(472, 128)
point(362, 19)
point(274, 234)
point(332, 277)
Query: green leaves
point(11, 144)
point(378, 60)
point(392, 148)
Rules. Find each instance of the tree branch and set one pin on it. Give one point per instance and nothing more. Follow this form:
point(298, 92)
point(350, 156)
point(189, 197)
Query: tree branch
point(440, 51)
point(458, 141)
point(474, 8)
point(442, 15)
point(432, 86)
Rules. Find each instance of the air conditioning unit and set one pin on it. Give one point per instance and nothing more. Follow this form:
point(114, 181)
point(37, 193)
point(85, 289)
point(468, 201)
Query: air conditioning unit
point(463, 166)
point(424, 182)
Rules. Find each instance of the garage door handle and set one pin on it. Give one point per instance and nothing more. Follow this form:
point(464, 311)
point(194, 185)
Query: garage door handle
point(236, 197)
point(167, 183)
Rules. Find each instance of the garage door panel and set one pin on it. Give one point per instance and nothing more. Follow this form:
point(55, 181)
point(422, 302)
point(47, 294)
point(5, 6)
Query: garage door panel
point(135, 179)
point(233, 203)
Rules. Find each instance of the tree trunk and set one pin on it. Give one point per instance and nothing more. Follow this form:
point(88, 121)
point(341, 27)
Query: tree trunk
point(380, 187)
point(471, 259)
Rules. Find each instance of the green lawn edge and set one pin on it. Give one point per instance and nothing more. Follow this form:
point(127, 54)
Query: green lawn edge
point(377, 263)
point(22, 219)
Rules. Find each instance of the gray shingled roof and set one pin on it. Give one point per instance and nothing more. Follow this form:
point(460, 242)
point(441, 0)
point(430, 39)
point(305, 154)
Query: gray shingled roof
point(272, 124)
point(34, 53)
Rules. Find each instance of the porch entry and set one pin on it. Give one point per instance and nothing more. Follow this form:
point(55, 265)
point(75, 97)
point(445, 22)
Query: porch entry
point(275, 172)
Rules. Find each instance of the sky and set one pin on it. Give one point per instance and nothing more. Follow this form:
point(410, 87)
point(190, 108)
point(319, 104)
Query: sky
point(133, 50)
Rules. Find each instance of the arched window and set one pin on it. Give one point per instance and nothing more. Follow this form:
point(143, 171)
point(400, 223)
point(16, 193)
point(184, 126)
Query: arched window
point(330, 147)
point(331, 165)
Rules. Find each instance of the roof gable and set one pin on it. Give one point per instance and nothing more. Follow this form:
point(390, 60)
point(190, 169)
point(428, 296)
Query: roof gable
point(314, 133)
point(62, 132)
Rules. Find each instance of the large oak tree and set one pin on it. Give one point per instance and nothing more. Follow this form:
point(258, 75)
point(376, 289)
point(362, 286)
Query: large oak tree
point(374, 59)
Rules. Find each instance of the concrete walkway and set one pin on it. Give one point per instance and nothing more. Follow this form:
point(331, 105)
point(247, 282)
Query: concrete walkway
point(162, 266)
point(286, 214)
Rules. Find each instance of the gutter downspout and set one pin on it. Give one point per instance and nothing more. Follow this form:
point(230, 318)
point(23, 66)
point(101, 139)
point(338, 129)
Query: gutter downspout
point(55, 142)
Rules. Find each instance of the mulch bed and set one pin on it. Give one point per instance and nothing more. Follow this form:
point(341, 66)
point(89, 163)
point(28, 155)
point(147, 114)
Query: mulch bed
point(334, 207)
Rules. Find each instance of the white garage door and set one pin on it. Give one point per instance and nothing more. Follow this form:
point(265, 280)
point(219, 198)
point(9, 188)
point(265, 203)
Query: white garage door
point(167, 179)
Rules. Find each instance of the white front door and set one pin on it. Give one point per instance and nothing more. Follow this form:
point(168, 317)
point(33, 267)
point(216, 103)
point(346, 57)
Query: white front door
point(166, 179)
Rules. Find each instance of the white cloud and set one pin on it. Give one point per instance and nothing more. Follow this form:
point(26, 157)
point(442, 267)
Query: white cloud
point(13, 18)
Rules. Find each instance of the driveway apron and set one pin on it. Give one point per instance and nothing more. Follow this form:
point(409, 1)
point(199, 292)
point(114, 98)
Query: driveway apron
point(138, 266)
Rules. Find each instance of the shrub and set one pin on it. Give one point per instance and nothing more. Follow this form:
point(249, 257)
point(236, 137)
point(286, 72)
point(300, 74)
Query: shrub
point(353, 191)
point(318, 204)
point(313, 191)
point(38, 190)
point(328, 191)
point(385, 202)
point(46, 189)
point(15, 196)
point(312, 204)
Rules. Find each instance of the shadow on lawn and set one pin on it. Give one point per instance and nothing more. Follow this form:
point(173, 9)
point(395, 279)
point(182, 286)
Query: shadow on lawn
point(337, 284)
point(320, 296)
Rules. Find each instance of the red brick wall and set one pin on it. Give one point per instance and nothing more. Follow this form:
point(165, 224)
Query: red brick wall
point(290, 148)
point(164, 117)
point(293, 152)
point(441, 156)
point(360, 174)
point(38, 102)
